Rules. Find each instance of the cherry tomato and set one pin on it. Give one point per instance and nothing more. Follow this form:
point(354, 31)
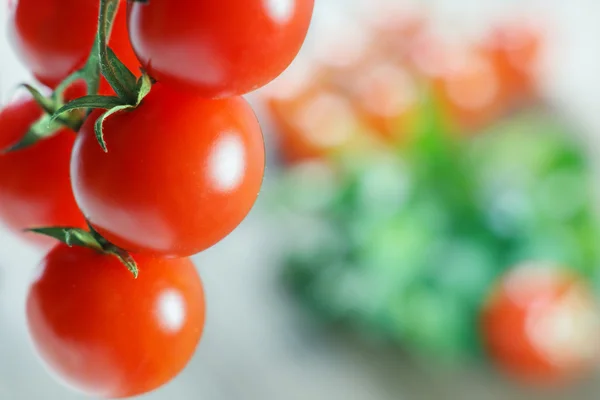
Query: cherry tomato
point(515, 51)
point(396, 29)
point(470, 89)
point(54, 37)
point(218, 48)
point(542, 325)
point(106, 334)
point(386, 94)
point(313, 122)
point(35, 189)
point(180, 174)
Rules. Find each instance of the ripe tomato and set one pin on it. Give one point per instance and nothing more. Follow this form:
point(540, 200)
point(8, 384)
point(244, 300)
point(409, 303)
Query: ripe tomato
point(180, 174)
point(313, 122)
point(35, 189)
point(470, 89)
point(387, 95)
point(218, 48)
point(515, 52)
point(54, 37)
point(107, 334)
point(396, 28)
point(463, 78)
point(542, 325)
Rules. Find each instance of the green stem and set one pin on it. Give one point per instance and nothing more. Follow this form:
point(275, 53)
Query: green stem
point(101, 61)
point(90, 239)
point(91, 71)
point(118, 76)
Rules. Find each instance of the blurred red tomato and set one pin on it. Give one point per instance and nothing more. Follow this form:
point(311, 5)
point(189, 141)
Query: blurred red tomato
point(386, 95)
point(515, 51)
point(429, 55)
point(463, 79)
point(542, 325)
point(312, 117)
point(396, 29)
point(471, 90)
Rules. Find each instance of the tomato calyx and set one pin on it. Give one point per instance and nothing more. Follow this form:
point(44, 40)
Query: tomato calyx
point(101, 62)
point(90, 73)
point(90, 239)
point(129, 90)
point(111, 104)
point(45, 126)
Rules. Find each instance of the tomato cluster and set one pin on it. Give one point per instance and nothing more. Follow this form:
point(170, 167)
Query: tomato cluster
point(144, 154)
point(381, 86)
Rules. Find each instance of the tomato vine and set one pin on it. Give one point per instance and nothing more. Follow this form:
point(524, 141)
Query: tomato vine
point(129, 91)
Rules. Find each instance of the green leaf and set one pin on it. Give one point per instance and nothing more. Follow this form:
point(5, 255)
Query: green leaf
point(70, 236)
point(100, 122)
point(117, 74)
point(90, 239)
point(44, 128)
point(90, 72)
point(48, 105)
point(125, 258)
point(90, 101)
point(144, 85)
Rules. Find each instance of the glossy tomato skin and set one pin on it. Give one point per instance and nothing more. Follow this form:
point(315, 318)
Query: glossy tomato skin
point(524, 322)
point(181, 172)
point(54, 37)
point(218, 48)
point(35, 188)
point(106, 334)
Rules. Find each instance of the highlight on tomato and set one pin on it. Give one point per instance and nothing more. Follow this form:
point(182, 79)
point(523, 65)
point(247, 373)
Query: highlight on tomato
point(106, 334)
point(542, 325)
point(218, 48)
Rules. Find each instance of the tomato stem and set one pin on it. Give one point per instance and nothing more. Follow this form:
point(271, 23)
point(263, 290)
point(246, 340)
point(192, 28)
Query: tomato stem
point(116, 73)
point(91, 71)
point(129, 90)
point(90, 239)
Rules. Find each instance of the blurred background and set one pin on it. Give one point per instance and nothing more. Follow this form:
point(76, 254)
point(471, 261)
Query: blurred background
point(428, 226)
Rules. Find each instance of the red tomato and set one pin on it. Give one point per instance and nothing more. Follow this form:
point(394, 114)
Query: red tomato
point(542, 325)
point(106, 334)
point(469, 89)
point(396, 29)
point(35, 189)
point(515, 51)
point(387, 95)
point(54, 37)
point(218, 48)
point(313, 123)
point(180, 174)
